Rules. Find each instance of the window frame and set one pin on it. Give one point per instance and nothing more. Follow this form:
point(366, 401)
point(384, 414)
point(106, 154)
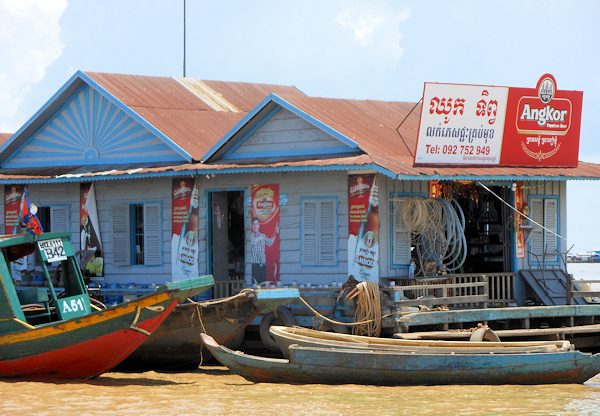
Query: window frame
point(335, 231)
point(532, 259)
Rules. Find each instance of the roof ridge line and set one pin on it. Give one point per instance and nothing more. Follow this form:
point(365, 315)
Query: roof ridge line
point(209, 96)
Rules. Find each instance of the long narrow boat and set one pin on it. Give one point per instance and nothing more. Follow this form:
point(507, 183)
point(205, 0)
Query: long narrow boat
point(287, 336)
point(176, 344)
point(65, 337)
point(308, 365)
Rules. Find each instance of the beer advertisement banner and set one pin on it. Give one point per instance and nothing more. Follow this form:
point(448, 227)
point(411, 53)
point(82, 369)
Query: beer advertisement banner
point(542, 126)
point(363, 227)
point(90, 230)
point(12, 206)
point(264, 236)
point(520, 220)
point(184, 225)
point(506, 126)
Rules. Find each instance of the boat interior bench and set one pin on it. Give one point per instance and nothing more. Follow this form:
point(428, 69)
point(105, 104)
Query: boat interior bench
point(35, 296)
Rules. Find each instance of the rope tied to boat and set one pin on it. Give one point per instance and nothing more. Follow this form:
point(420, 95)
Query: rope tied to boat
point(368, 309)
point(138, 312)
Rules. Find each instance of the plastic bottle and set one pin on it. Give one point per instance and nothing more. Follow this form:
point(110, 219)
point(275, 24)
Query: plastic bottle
point(411, 270)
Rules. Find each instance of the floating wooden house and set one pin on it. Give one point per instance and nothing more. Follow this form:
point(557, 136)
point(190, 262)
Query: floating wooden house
point(305, 172)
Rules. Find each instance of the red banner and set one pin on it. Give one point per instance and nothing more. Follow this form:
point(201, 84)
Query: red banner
point(519, 220)
point(505, 126)
point(363, 227)
point(12, 205)
point(264, 238)
point(542, 126)
point(184, 225)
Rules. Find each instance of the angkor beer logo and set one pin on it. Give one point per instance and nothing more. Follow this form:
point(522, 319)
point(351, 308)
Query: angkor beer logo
point(543, 119)
point(182, 192)
point(544, 114)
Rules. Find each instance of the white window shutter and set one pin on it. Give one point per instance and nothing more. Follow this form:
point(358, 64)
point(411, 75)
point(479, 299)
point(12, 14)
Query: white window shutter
point(536, 240)
point(152, 234)
point(59, 219)
point(327, 233)
point(551, 223)
point(309, 233)
point(121, 244)
point(401, 235)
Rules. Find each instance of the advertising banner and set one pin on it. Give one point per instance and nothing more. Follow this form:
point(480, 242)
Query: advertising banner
point(519, 220)
point(89, 227)
point(363, 227)
point(184, 225)
point(506, 126)
point(12, 207)
point(264, 236)
point(542, 126)
point(461, 124)
point(12, 217)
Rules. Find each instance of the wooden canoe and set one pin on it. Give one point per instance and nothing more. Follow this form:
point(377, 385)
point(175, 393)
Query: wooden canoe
point(176, 344)
point(287, 336)
point(89, 345)
point(308, 365)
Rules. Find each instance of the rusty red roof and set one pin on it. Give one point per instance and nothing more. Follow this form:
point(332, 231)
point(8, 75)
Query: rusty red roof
point(4, 137)
point(372, 125)
point(192, 113)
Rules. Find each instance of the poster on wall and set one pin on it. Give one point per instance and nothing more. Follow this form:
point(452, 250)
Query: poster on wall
point(89, 228)
point(184, 223)
point(363, 227)
point(520, 220)
point(12, 206)
point(502, 126)
point(264, 235)
point(12, 213)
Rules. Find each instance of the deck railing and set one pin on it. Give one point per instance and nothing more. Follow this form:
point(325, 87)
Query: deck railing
point(580, 288)
point(465, 289)
point(226, 288)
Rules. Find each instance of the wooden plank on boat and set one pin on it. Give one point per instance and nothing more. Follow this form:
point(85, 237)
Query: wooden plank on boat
point(502, 333)
point(491, 314)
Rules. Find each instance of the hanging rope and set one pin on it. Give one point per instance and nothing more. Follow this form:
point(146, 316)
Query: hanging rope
point(437, 228)
point(368, 308)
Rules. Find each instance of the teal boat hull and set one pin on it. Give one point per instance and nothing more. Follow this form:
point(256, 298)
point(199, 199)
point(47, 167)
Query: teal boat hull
point(309, 365)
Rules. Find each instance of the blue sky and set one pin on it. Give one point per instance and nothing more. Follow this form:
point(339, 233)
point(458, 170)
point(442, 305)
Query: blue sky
point(380, 49)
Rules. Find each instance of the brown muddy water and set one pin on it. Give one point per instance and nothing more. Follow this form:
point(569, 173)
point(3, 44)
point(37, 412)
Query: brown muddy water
point(213, 390)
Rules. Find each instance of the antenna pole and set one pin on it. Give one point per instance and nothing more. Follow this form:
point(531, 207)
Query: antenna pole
point(184, 37)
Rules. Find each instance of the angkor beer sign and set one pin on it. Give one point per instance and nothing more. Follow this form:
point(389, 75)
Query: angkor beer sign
point(485, 125)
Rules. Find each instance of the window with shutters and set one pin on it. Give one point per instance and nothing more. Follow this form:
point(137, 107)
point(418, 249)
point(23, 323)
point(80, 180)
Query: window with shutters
point(54, 218)
point(319, 231)
point(400, 236)
point(136, 234)
point(544, 244)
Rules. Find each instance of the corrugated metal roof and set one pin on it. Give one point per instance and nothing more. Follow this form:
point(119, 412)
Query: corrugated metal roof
point(372, 125)
point(184, 110)
point(4, 137)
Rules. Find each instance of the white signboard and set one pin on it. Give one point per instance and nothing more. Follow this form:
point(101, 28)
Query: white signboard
point(461, 124)
point(53, 250)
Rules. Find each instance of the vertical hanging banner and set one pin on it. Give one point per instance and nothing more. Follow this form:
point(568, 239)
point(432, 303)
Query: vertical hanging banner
point(12, 215)
point(89, 228)
point(264, 236)
point(519, 220)
point(184, 225)
point(363, 227)
point(12, 207)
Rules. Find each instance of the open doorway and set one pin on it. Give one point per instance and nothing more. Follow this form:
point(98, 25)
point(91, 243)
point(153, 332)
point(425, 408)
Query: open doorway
point(487, 229)
point(226, 240)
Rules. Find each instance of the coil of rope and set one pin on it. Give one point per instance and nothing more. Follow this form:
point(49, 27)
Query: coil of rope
point(437, 228)
point(368, 309)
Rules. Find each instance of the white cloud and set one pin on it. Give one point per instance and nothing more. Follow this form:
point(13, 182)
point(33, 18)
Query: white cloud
point(29, 43)
point(375, 25)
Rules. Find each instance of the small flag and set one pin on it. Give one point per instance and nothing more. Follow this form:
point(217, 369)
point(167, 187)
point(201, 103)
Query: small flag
point(29, 219)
